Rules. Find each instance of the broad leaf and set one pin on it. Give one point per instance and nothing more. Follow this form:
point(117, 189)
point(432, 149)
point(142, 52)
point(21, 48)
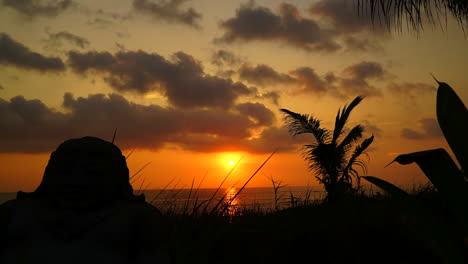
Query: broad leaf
point(453, 120)
point(387, 187)
point(441, 171)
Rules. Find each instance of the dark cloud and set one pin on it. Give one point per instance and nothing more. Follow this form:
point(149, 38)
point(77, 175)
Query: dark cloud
point(225, 73)
point(309, 81)
point(287, 25)
point(223, 57)
point(354, 44)
point(56, 40)
point(371, 128)
point(354, 26)
point(261, 115)
point(355, 79)
point(271, 95)
point(1, 87)
point(279, 139)
point(304, 78)
point(30, 126)
point(365, 70)
point(169, 11)
point(271, 139)
point(263, 75)
point(21, 119)
point(430, 129)
point(35, 8)
point(410, 90)
point(16, 54)
point(182, 80)
point(346, 18)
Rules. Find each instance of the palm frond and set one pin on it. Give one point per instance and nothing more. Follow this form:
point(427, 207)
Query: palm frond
point(394, 13)
point(342, 117)
point(354, 159)
point(324, 160)
point(354, 135)
point(300, 124)
point(331, 162)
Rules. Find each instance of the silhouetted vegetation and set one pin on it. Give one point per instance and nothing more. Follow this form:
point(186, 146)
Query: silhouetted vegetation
point(423, 225)
point(446, 234)
point(394, 13)
point(361, 229)
point(334, 155)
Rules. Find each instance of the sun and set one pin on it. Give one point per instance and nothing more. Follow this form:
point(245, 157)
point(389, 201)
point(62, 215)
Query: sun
point(230, 159)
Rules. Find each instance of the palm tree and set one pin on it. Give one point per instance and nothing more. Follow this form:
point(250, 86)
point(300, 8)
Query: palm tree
point(331, 156)
point(395, 12)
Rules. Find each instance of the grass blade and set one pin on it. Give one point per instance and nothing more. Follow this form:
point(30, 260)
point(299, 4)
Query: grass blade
point(247, 182)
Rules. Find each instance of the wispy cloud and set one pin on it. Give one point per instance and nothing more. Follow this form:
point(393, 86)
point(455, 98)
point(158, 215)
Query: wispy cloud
point(429, 129)
point(36, 8)
point(58, 39)
point(16, 54)
point(169, 11)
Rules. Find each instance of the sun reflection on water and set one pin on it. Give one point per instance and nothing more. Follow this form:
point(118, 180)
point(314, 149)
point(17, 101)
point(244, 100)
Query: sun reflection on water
point(231, 193)
point(232, 200)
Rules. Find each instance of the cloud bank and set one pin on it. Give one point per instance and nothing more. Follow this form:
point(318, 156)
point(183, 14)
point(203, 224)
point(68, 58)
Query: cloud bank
point(30, 126)
point(252, 23)
point(181, 79)
point(352, 81)
point(333, 24)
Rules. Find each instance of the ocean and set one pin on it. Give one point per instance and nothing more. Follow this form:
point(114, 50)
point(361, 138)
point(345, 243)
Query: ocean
point(249, 198)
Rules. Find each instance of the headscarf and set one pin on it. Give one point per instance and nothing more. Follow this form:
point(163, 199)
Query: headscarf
point(89, 162)
point(82, 185)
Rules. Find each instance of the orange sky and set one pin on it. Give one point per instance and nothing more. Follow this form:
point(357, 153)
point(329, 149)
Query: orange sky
point(192, 85)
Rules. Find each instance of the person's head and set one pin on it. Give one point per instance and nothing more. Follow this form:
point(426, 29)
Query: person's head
point(86, 172)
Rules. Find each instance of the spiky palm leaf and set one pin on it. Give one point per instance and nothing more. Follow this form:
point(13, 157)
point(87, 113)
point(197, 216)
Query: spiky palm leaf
point(395, 12)
point(300, 124)
point(353, 136)
point(343, 116)
point(354, 160)
point(331, 161)
point(324, 160)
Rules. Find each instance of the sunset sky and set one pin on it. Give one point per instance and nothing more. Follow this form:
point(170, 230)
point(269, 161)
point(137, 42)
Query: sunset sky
point(193, 85)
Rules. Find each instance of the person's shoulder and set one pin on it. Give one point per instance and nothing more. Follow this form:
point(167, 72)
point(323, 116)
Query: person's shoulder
point(6, 211)
point(10, 204)
point(143, 208)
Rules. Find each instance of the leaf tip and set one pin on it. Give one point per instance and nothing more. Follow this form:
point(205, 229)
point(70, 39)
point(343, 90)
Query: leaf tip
point(435, 79)
point(389, 163)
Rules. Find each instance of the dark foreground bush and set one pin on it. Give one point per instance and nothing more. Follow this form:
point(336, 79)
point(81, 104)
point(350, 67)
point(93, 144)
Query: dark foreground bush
point(359, 230)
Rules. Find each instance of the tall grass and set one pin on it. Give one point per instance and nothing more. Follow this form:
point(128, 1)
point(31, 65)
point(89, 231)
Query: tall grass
point(213, 206)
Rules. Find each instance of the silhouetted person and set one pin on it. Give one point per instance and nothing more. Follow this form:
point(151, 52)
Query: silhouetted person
point(84, 211)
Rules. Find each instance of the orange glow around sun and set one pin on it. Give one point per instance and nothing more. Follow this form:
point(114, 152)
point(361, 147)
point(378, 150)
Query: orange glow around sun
point(229, 159)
